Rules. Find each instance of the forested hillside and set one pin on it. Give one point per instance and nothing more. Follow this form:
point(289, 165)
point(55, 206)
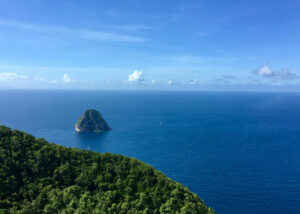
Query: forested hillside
point(38, 177)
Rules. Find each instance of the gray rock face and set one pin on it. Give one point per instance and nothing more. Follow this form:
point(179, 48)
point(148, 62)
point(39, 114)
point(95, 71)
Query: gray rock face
point(91, 121)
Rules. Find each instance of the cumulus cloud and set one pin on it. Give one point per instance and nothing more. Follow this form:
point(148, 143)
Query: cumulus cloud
point(66, 78)
point(136, 76)
point(8, 76)
point(11, 76)
point(15, 77)
point(170, 82)
point(193, 82)
point(266, 71)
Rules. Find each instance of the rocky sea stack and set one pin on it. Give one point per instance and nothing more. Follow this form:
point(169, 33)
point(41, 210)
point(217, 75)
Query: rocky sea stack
point(91, 121)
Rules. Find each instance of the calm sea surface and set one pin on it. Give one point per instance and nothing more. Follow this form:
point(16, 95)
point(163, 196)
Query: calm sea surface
point(240, 152)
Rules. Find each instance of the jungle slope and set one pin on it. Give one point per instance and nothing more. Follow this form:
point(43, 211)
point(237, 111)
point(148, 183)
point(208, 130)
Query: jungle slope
point(38, 177)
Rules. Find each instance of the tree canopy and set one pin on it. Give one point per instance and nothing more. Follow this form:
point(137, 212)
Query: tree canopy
point(39, 177)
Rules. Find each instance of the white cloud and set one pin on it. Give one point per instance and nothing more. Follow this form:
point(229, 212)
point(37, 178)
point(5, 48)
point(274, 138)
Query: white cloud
point(72, 32)
point(266, 71)
point(173, 83)
point(15, 78)
point(39, 79)
point(8, 76)
point(11, 76)
point(136, 76)
point(66, 78)
point(193, 82)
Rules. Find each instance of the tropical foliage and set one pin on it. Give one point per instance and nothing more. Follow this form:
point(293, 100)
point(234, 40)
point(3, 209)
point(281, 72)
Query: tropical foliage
point(38, 177)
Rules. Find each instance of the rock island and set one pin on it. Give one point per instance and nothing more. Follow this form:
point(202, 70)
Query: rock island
point(91, 121)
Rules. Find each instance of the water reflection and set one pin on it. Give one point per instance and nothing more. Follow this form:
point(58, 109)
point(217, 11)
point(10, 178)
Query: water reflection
point(90, 140)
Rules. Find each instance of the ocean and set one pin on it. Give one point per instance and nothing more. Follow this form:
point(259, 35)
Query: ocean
point(239, 152)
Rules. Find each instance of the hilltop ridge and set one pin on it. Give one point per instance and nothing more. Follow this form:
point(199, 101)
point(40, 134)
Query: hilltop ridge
point(38, 177)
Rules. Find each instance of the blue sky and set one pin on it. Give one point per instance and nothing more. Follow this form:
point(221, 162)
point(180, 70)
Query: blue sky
point(136, 44)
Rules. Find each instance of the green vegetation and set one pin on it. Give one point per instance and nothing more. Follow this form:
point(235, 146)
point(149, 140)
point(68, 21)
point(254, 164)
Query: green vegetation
point(91, 121)
point(38, 177)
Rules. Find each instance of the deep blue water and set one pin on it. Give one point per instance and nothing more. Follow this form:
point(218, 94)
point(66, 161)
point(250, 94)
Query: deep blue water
point(240, 152)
